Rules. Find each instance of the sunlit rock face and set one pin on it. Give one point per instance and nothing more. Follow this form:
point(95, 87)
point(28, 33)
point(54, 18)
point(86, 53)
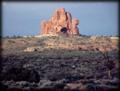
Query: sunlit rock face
point(60, 23)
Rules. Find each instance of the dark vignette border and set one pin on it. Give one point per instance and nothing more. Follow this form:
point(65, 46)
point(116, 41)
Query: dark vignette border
point(58, 2)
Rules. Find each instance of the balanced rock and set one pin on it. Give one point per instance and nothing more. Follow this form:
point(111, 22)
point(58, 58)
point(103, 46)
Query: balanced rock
point(60, 23)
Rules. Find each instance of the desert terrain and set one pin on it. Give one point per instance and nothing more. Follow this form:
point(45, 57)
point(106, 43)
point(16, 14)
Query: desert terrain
point(59, 63)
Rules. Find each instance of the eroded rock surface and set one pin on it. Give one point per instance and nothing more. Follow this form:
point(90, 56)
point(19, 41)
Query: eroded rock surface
point(60, 23)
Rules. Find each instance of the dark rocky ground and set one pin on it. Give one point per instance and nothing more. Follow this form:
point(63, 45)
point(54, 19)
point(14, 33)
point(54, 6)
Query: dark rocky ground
point(55, 69)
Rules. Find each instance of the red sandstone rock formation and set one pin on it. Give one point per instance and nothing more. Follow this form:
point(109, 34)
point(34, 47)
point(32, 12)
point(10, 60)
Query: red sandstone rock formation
point(60, 22)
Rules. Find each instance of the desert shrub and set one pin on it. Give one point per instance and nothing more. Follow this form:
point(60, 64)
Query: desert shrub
point(11, 41)
point(71, 54)
point(20, 74)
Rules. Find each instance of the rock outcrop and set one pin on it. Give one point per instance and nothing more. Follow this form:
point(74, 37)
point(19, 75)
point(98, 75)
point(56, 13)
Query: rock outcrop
point(60, 23)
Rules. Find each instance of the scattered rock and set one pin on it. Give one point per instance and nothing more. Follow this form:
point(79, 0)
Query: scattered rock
point(30, 49)
point(45, 83)
point(33, 49)
point(23, 83)
point(75, 86)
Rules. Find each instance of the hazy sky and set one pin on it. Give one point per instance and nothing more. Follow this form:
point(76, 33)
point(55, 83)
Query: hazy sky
point(96, 18)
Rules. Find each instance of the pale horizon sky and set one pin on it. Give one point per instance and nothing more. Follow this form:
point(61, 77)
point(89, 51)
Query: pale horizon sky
point(23, 18)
